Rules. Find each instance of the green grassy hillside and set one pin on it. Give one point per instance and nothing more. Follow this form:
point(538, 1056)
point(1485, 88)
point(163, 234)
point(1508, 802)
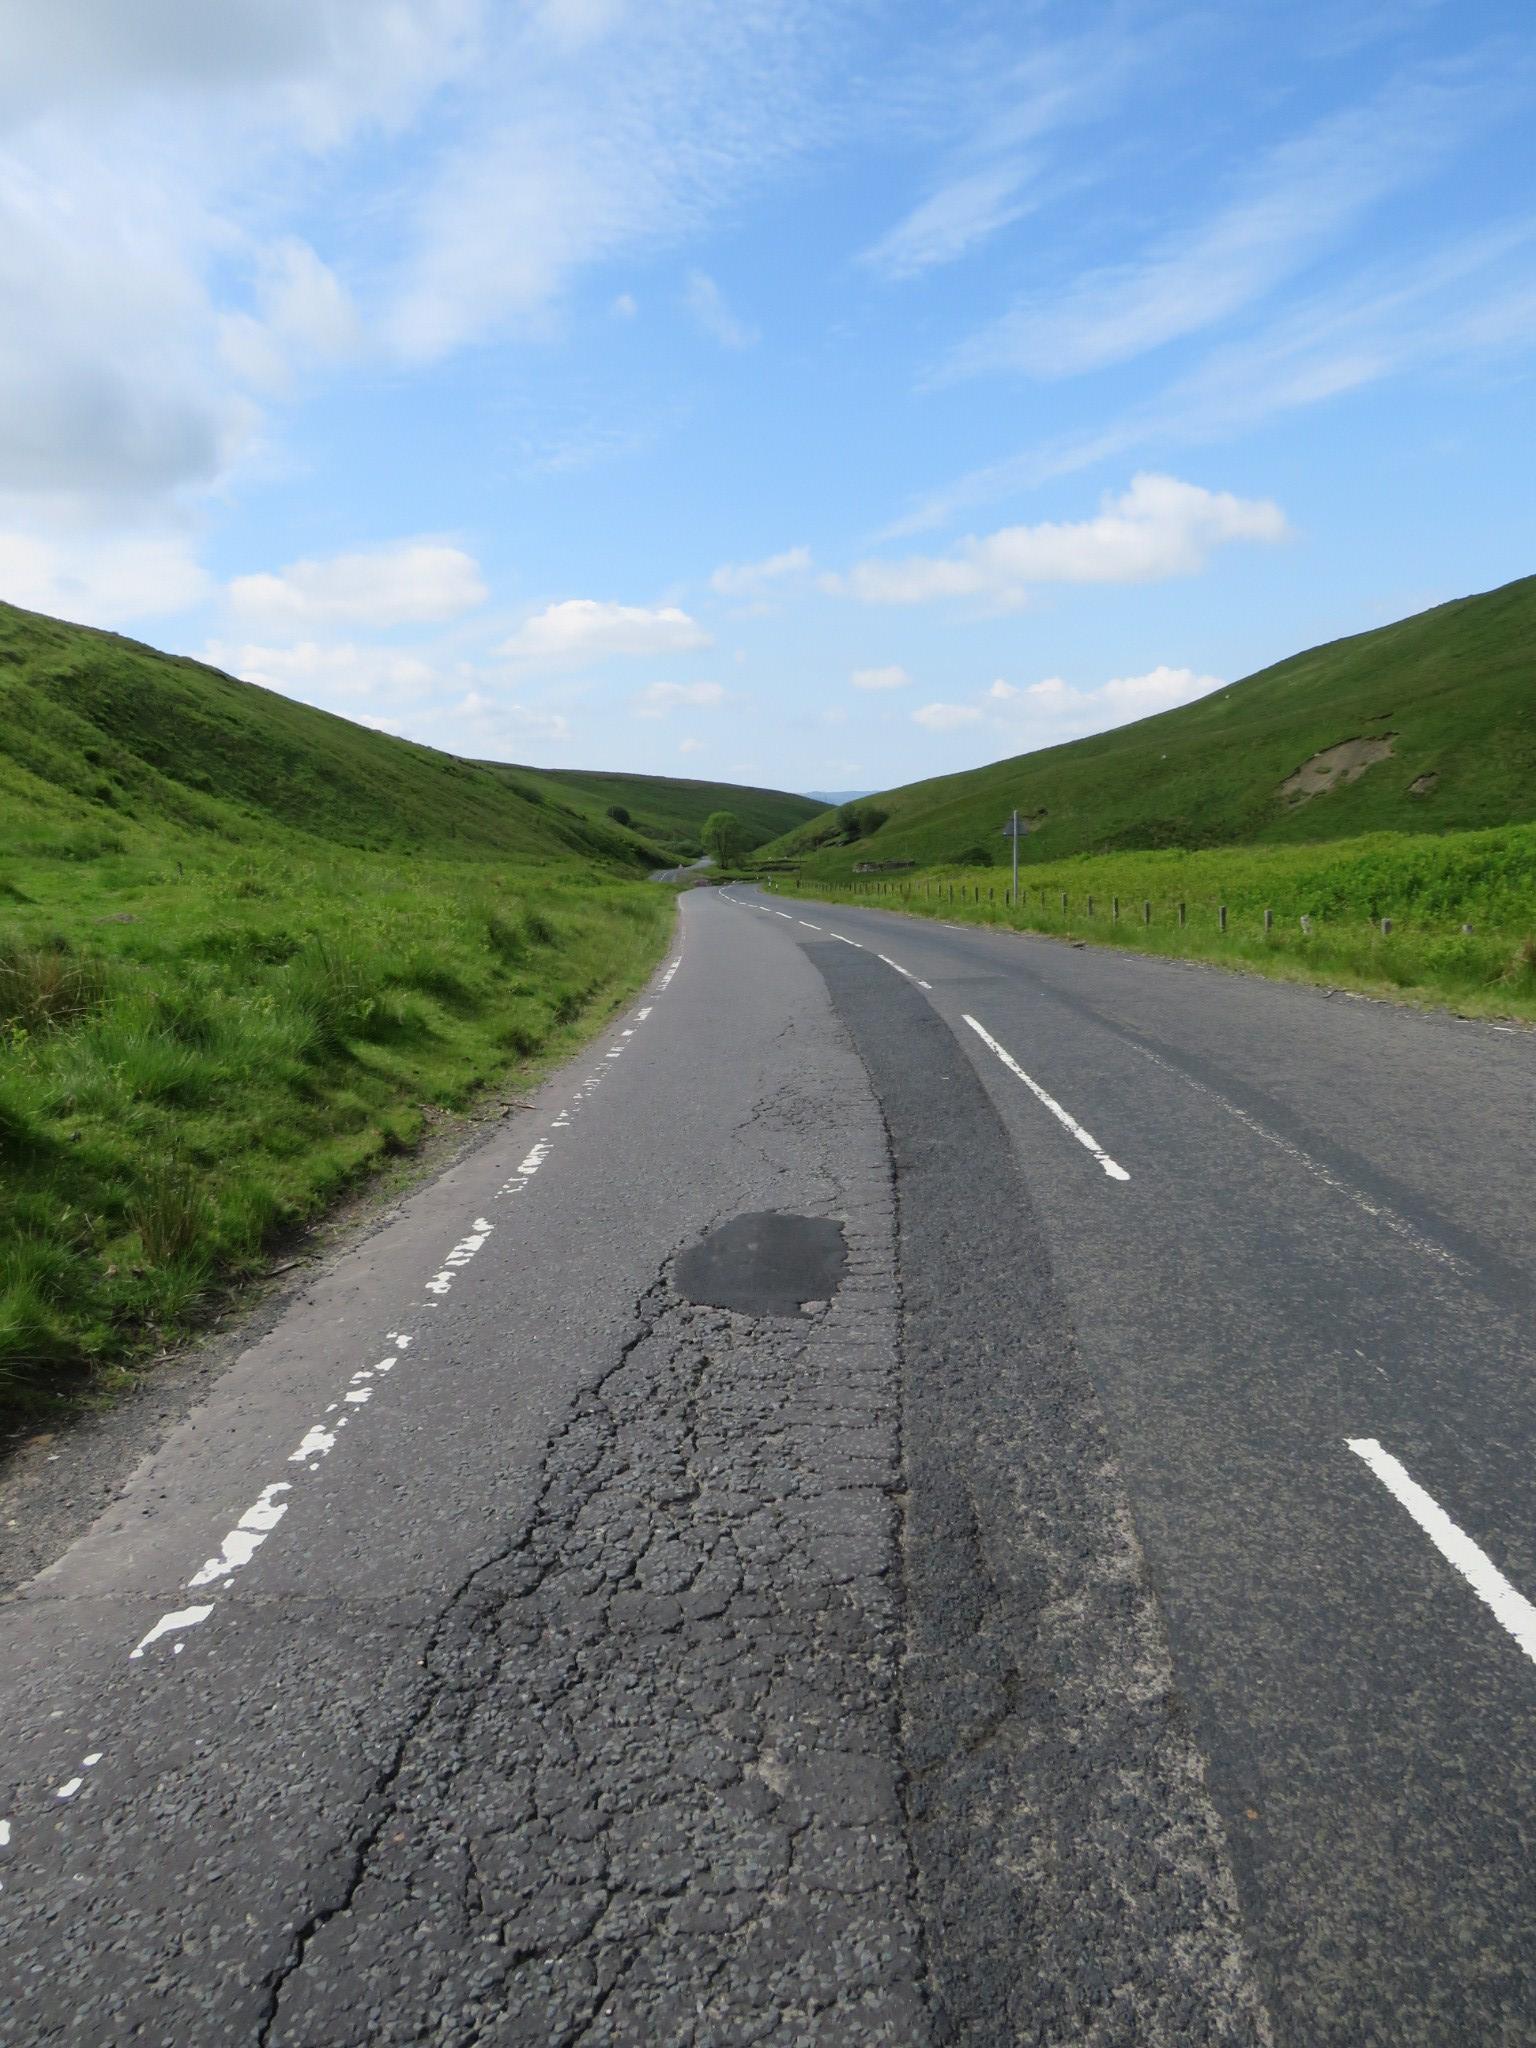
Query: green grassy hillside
point(98, 732)
point(247, 952)
point(1451, 692)
point(671, 811)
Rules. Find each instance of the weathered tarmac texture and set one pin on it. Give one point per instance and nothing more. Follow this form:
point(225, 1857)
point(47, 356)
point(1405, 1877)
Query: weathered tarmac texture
point(654, 1794)
point(1073, 1873)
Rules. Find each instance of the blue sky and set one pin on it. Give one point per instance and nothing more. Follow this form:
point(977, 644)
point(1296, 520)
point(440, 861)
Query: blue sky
point(821, 395)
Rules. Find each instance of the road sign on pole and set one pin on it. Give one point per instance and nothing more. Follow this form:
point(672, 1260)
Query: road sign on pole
point(1015, 829)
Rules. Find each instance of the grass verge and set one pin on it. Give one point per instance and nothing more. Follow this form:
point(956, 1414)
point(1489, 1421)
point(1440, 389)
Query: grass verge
point(198, 1055)
point(1462, 910)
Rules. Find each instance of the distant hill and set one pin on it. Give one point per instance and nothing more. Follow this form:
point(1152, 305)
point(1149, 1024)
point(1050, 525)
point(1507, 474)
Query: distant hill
point(103, 734)
point(832, 797)
point(670, 809)
point(1428, 725)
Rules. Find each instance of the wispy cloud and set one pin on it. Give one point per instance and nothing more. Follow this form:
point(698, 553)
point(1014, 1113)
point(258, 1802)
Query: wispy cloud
point(657, 700)
point(748, 579)
point(960, 214)
point(625, 138)
point(1296, 203)
point(587, 629)
point(706, 302)
point(1159, 527)
point(892, 678)
point(1009, 109)
point(1469, 303)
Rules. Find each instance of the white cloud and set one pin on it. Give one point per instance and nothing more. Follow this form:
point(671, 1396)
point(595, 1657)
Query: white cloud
point(690, 746)
point(946, 717)
point(704, 301)
point(322, 671)
point(624, 307)
point(407, 582)
point(1160, 527)
point(892, 678)
point(656, 700)
point(1123, 696)
point(586, 629)
point(141, 282)
point(101, 581)
point(1295, 204)
point(745, 579)
point(1045, 713)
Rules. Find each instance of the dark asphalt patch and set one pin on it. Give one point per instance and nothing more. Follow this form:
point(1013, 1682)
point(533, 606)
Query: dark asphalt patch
point(765, 1265)
point(1072, 1874)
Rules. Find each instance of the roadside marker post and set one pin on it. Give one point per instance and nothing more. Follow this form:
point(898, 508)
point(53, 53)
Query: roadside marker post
point(1015, 830)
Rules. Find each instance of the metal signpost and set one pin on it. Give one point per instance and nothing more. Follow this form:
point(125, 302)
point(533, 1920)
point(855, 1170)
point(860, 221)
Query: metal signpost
point(1015, 829)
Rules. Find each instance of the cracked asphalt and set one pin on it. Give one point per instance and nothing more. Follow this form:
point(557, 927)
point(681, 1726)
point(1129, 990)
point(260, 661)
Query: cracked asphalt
point(509, 1648)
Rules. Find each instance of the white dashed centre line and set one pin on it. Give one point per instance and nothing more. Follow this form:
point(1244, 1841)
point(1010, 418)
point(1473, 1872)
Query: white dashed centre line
point(1062, 1116)
point(1511, 1609)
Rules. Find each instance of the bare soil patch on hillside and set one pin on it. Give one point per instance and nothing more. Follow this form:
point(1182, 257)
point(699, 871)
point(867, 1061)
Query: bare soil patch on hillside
point(1346, 762)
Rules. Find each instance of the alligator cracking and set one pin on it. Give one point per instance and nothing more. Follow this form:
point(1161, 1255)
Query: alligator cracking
point(651, 1791)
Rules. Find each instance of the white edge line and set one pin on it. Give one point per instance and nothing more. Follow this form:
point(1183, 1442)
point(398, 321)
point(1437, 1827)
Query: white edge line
point(1062, 1116)
point(1510, 1609)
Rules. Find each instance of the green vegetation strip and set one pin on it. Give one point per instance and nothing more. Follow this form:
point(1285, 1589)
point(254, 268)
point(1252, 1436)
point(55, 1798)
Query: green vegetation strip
point(1428, 888)
point(198, 1054)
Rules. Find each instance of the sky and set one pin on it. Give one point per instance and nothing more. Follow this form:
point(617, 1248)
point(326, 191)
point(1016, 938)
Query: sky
point(814, 393)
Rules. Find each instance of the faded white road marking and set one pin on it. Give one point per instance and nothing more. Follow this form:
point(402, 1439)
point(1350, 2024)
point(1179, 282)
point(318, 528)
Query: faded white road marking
point(1062, 1116)
point(904, 970)
point(785, 915)
point(240, 1545)
point(1511, 1609)
point(1398, 1224)
point(250, 1532)
point(809, 926)
point(171, 1624)
point(849, 942)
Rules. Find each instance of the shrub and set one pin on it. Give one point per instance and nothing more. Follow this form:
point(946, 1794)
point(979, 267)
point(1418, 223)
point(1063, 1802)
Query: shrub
point(618, 814)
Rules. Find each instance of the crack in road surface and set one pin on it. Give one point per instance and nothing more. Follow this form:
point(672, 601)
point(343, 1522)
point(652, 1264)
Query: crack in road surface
point(652, 1793)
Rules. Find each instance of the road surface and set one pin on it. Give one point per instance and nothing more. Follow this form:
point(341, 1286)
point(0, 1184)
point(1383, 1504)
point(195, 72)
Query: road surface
point(1097, 1613)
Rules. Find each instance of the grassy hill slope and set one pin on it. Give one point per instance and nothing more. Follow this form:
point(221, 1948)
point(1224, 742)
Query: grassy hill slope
point(96, 730)
point(1452, 690)
point(671, 810)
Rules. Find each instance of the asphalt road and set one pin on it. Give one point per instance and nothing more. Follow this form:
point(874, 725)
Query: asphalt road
point(1095, 1616)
